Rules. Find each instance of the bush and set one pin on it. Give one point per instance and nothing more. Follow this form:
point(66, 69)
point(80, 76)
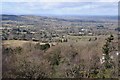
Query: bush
point(45, 47)
point(18, 50)
point(7, 50)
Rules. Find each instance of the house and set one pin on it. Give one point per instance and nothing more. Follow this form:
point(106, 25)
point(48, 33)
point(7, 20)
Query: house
point(90, 34)
point(32, 32)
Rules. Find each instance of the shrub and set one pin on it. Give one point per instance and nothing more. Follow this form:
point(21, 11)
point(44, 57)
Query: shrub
point(45, 47)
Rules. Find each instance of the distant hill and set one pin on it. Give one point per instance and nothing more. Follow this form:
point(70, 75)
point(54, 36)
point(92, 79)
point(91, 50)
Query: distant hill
point(58, 18)
point(43, 21)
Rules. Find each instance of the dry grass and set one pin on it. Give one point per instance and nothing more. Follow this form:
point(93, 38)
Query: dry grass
point(16, 43)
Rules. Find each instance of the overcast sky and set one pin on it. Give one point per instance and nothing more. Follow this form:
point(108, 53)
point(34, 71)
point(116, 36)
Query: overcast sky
point(46, 7)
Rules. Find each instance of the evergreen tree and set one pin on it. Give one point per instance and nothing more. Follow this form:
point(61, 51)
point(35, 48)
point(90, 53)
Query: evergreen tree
point(108, 64)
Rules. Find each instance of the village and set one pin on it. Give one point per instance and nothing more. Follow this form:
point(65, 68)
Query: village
point(48, 35)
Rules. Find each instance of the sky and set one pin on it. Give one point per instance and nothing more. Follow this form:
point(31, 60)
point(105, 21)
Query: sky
point(59, 7)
